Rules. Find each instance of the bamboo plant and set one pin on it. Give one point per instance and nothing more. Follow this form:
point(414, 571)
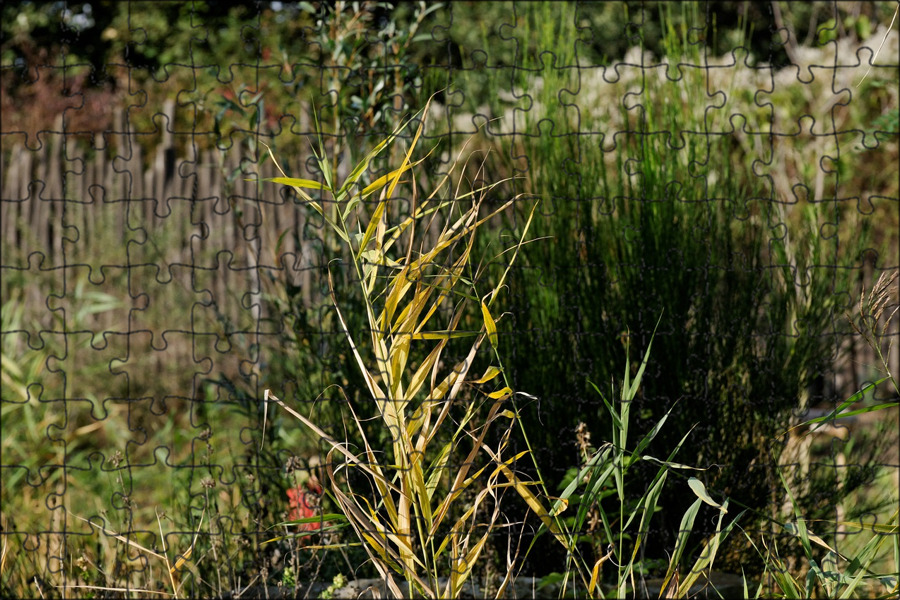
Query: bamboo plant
point(418, 293)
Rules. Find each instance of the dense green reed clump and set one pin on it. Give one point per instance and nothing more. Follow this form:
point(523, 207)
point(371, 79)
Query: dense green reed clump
point(657, 204)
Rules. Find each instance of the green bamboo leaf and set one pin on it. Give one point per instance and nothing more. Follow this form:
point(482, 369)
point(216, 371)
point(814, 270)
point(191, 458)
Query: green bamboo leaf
point(649, 508)
point(617, 422)
point(700, 491)
point(642, 445)
point(632, 390)
point(373, 225)
point(800, 530)
point(600, 457)
point(684, 530)
point(671, 465)
point(320, 156)
point(837, 412)
point(707, 556)
point(438, 468)
point(867, 409)
point(884, 529)
point(863, 561)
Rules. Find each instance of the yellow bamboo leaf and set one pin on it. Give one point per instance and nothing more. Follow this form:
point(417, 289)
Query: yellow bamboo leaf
point(491, 372)
point(438, 468)
point(401, 542)
point(421, 374)
point(363, 165)
point(297, 182)
point(533, 502)
point(501, 394)
point(378, 547)
point(399, 356)
point(299, 189)
point(464, 568)
point(443, 335)
point(445, 281)
point(412, 145)
point(384, 179)
point(450, 498)
point(408, 320)
point(595, 577)
point(399, 286)
point(377, 217)
point(489, 325)
point(376, 257)
point(561, 506)
point(530, 499)
point(453, 382)
point(404, 526)
point(421, 489)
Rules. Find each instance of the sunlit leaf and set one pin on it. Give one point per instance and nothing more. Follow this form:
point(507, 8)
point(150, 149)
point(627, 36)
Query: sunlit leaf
point(700, 490)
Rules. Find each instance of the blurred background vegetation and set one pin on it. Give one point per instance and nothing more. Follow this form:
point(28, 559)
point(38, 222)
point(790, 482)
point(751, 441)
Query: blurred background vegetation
point(702, 198)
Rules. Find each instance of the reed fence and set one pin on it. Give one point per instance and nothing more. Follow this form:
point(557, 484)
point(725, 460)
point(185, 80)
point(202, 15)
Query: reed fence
point(62, 197)
point(65, 202)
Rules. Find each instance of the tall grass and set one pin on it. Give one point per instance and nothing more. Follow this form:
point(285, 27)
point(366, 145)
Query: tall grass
point(626, 527)
point(656, 204)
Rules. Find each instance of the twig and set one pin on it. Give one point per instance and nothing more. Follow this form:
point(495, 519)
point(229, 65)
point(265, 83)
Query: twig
point(883, 40)
point(109, 589)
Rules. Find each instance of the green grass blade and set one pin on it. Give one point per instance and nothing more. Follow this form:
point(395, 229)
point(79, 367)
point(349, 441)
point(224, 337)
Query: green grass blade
point(684, 530)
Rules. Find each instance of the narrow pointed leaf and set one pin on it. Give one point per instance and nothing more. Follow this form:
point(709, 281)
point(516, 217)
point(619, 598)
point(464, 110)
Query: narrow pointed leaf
point(501, 394)
point(490, 374)
point(489, 325)
point(700, 491)
point(308, 184)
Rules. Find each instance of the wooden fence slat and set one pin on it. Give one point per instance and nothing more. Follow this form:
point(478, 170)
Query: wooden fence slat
point(149, 194)
point(136, 175)
point(10, 175)
point(11, 207)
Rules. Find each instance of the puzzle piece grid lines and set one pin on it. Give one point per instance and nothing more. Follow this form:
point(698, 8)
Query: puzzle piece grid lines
point(140, 246)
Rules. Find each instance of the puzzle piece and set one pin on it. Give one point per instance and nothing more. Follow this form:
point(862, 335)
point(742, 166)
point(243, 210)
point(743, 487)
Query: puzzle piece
point(722, 190)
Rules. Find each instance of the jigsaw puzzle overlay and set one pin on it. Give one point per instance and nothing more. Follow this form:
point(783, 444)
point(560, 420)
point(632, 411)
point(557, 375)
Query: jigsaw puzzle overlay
point(719, 178)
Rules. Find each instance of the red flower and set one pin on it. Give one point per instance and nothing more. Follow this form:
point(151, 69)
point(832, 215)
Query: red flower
point(305, 503)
